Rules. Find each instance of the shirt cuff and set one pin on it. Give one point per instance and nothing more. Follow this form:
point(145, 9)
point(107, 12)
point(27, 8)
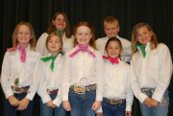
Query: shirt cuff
point(45, 98)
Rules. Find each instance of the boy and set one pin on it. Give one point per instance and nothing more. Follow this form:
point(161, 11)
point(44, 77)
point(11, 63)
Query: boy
point(111, 29)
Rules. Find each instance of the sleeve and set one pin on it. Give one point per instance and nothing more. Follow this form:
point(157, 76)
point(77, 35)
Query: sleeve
point(42, 92)
point(35, 80)
point(99, 74)
point(5, 76)
point(165, 74)
point(41, 44)
point(66, 78)
point(57, 101)
point(135, 85)
point(129, 97)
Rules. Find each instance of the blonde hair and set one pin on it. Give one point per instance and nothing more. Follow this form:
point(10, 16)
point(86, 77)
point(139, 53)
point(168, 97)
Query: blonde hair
point(52, 27)
point(87, 24)
point(15, 32)
point(154, 41)
point(50, 36)
point(110, 20)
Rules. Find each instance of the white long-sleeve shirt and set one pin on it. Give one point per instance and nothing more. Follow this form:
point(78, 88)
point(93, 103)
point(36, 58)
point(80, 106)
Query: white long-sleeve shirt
point(153, 71)
point(50, 80)
point(68, 44)
point(126, 44)
point(83, 69)
point(117, 82)
point(13, 68)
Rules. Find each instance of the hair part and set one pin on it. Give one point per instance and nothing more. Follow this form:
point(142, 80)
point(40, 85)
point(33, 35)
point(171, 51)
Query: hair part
point(15, 32)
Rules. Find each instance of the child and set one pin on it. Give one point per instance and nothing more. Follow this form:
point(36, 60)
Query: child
point(17, 80)
point(111, 29)
point(117, 97)
point(51, 76)
point(151, 67)
point(82, 74)
point(60, 24)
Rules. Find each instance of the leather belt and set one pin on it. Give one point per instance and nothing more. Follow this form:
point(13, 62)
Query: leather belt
point(113, 101)
point(20, 89)
point(83, 89)
point(55, 91)
point(148, 91)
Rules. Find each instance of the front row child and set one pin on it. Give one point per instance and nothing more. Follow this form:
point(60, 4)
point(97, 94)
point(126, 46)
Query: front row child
point(50, 73)
point(117, 97)
point(151, 67)
point(82, 74)
point(18, 82)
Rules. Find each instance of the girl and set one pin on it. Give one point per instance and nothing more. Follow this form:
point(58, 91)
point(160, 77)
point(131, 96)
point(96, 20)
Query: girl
point(50, 73)
point(17, 80)
point(82, 74)
point(60, 24)
point(117, 97)
point(151, 67)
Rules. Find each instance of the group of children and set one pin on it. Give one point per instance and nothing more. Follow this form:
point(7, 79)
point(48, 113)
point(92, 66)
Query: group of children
point(86, 78)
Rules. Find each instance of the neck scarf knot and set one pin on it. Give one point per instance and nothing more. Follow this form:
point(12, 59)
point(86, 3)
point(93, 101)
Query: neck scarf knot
point(112, 60)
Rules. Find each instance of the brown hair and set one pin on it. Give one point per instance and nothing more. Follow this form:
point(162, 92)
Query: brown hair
point(52, 28)
point(110, 20)
point(50, 36)
point(116, 40)
point(15, 32)
point(134, 41)
point(87, 24)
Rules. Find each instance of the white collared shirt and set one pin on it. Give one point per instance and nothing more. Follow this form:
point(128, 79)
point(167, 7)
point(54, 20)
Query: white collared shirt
point(68, 44)
point(13, 68)
point(153, 71)
point(83, 69)
point(117, 82)
point(50, 80)
point(126, 44)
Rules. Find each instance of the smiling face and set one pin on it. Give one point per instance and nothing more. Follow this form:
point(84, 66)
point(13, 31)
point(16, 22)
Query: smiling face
point(54, 44)
point(113, 49)
point(23, 36)
point(83, 35)
point(59, 22)
point(111, 29)
point(143, 35)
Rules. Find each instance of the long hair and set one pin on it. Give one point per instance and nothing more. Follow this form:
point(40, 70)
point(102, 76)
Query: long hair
point(52, 28)
point(135, 30)
point(87, 24)
point(15, 32)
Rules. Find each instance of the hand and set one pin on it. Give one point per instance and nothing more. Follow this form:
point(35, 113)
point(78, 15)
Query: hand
point(66, 105)
point(96, 105)
point(13, 100)
point(23, 104)
point(153, 102)
point(147, 101)
point(99, 114)
point(50, 104)
point(128, 113)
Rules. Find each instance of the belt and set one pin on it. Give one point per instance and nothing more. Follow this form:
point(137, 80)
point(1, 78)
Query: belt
point(113, 101)
point(55, 91)
point(148, 91)
point(20, 89)
point(83, 89)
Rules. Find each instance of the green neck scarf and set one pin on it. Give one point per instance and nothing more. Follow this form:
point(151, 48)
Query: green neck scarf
point(142, 48)
point(59, 32)
point(50, 58)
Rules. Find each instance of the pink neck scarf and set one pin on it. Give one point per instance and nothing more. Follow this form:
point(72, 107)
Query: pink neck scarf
point(82, 48)
point(22, 54)
point(112, 60)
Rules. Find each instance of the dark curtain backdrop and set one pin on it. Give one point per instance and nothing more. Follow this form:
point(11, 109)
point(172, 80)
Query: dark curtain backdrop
point(158, 13)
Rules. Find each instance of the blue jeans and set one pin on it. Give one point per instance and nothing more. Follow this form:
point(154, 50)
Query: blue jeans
point(113, 110)
point(10, 110)
point(81, 104)
point(160, 110)
point(47, 111)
